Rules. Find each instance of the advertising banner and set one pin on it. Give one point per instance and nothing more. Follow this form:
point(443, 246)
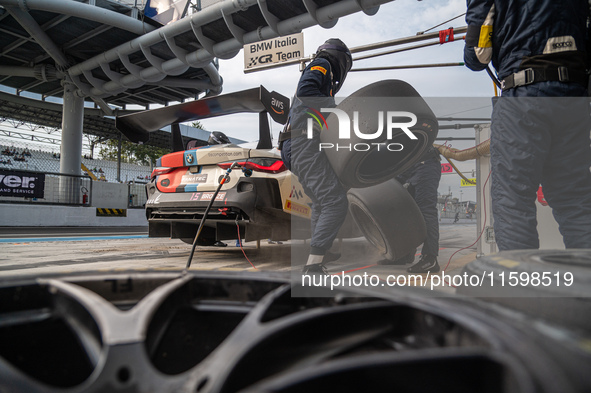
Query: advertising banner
point(22, 184)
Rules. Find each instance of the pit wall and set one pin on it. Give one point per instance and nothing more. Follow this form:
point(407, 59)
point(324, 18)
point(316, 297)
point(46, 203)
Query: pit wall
point(109, 206)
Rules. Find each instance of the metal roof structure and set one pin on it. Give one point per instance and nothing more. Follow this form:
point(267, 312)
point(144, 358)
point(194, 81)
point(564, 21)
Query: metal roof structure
point(49, 114)
point(112, 55)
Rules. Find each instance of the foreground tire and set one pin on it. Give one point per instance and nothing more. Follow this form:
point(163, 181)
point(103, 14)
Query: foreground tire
point(554, 285)
point(221, 332)
point(388, 217)
point(364, 168)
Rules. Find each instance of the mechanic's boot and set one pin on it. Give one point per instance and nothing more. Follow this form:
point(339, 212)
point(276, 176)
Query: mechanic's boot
point(426, 264)
point(315, 265)
point(219, 244)
point(315, 269)
point(405, 260)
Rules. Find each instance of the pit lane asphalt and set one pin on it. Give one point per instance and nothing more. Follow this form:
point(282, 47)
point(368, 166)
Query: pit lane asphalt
point(27, 251)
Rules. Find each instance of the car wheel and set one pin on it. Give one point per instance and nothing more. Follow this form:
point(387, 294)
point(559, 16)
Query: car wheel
point(220, 332)
point(388, 217)
point(360, 162)
point(550, 284)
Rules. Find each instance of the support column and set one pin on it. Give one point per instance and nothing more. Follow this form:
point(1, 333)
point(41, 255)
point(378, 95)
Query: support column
point(72, 121)
point(71, 147)
point(119, 157)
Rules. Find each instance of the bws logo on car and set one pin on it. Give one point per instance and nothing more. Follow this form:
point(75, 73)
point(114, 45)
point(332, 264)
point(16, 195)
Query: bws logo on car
point(275, 103)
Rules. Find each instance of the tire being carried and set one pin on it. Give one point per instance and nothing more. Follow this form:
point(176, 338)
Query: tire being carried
point(388, 217)
point(368, 157)
point(554, 285)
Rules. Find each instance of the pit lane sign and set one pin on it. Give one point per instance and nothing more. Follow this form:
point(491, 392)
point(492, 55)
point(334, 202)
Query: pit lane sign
point(446, 168)
point(275, 50)
point(468, 183)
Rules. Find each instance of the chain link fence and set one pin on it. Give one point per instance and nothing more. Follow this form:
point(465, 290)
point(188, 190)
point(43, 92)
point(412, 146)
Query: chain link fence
point(21, 163)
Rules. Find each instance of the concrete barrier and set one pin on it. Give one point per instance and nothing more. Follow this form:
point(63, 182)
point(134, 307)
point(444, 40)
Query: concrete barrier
point(51, 215)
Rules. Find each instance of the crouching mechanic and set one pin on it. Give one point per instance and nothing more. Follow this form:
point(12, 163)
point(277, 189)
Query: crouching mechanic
point(540, 126)
point(321, 79)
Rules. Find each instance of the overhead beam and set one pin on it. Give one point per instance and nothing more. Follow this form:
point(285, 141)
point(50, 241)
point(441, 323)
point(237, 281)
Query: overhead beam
point(84, 11)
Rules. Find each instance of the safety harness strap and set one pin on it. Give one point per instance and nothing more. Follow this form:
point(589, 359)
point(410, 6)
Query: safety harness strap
point(534, 75)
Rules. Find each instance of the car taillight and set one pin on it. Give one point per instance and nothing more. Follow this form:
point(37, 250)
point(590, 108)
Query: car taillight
point(160, 171)
point(266, 165)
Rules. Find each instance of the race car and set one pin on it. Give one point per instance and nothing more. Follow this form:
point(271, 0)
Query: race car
point(261, 199)
point(260, 196)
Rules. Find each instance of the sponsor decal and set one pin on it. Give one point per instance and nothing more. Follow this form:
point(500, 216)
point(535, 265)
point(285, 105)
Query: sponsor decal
point(154, 201)
point(297, 208)
point(295, 193)
point(191, 179)
point(560, 44)
point(318, 68)
point(22, 184)
point(207, 196)
point(225, 154)
point(275, 103)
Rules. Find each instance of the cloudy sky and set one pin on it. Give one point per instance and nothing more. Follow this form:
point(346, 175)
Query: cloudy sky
point(460, 92)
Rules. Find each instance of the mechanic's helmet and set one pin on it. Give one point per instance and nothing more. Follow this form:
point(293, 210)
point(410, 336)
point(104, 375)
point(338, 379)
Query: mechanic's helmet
point(218, 138)
point(339, 56)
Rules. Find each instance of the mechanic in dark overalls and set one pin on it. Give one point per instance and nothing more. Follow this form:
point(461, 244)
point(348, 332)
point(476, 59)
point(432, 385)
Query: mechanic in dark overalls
point(321, 79)
point(422, 181)
point(540, 126)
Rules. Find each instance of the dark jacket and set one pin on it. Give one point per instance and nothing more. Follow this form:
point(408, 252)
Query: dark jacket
point(314, 91)
point(518, 34)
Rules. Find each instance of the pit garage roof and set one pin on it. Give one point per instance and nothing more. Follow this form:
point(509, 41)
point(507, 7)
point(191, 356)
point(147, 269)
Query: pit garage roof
point(114, 56)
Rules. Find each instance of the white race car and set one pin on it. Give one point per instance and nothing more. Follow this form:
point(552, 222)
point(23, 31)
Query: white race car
point(258, 199)
point(262, 199)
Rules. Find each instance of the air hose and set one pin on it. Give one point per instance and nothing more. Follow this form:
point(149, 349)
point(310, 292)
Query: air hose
point(224, 180)
point(479, 150)
point(449, 153)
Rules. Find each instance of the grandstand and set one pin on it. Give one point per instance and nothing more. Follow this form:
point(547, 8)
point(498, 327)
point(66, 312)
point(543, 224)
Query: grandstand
point(48, 161)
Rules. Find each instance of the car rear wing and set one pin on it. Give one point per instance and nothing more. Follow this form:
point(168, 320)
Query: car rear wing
point(137, 126)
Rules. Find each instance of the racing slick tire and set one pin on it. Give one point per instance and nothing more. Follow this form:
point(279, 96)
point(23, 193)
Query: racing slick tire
point(388, 217)
point(554, 285)
point(363, 162)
